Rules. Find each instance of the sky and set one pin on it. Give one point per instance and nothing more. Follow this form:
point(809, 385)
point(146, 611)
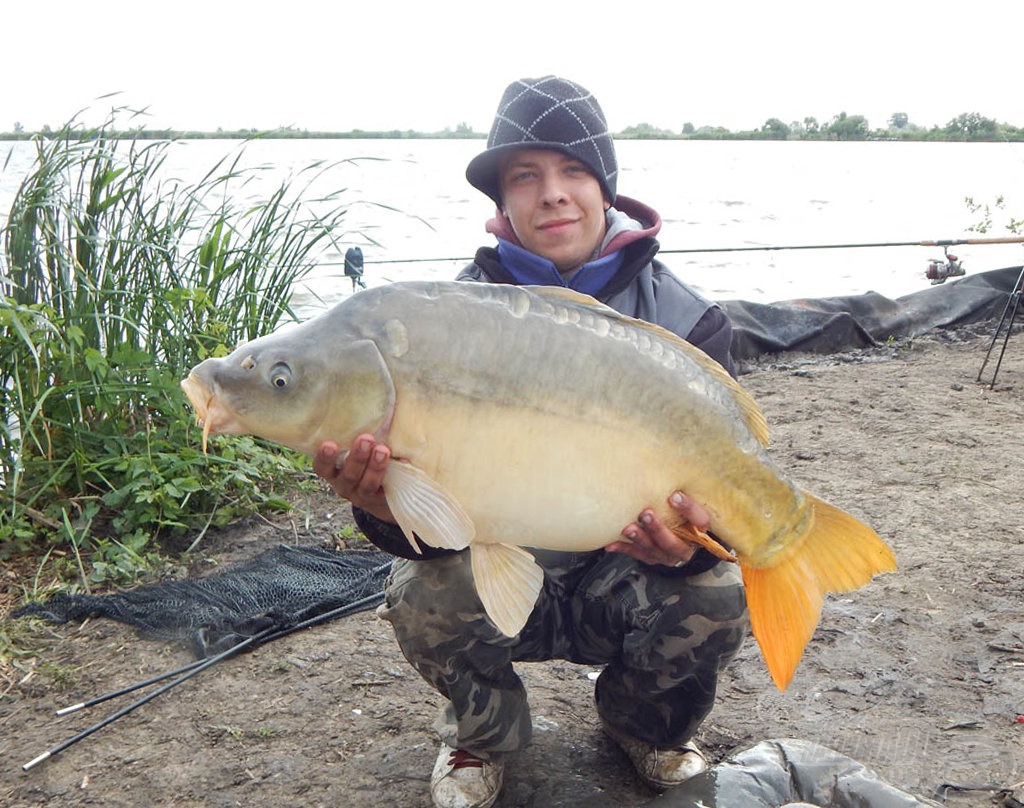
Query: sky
point(398, 64)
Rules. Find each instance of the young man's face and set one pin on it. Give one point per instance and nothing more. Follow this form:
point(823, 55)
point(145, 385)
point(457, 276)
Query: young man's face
point(555, 204)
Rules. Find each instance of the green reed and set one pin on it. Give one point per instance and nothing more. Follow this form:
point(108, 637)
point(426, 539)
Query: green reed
point(115, 279)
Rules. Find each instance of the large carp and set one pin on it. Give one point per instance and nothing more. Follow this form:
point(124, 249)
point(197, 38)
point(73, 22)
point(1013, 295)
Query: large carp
point(537, 417)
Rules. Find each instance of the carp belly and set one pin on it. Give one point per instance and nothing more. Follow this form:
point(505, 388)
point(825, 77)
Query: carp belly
point(537, 479)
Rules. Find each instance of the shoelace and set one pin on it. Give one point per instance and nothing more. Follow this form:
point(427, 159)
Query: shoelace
point(461, 759)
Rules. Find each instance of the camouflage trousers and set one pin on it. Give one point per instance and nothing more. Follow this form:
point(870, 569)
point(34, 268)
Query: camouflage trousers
point(662, 639)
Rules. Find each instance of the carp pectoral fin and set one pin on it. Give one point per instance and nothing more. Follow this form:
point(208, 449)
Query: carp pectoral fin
point(423, 507)
point(839, 553)
point(691, 534)
point(508, 582)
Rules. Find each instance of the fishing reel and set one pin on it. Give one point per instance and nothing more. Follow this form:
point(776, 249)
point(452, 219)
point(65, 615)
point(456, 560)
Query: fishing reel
point(354, 267)
point(939, 269)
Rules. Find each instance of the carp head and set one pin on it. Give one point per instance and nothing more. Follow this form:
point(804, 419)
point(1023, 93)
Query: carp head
point(292, 390)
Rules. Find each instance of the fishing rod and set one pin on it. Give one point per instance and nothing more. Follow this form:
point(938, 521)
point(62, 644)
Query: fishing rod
point(125, 710)
point(132, 688)
point(188, 671)
point(938, 243)
point(758, 248)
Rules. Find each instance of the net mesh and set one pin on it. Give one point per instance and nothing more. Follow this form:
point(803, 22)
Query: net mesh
point(279, 589)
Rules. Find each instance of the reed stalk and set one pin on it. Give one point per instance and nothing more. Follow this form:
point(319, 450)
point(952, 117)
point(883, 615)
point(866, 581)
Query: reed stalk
point(115, 279)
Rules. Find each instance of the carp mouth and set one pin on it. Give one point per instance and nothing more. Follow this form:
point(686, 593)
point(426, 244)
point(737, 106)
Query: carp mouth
point(205, 403)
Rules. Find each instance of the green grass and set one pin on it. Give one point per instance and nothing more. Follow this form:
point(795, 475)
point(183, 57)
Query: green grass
point(115, 280)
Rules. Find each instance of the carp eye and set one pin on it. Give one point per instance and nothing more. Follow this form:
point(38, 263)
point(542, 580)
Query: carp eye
point(280, 376)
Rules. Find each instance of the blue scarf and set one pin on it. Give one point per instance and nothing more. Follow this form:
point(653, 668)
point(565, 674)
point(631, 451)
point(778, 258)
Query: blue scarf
point(529, 268)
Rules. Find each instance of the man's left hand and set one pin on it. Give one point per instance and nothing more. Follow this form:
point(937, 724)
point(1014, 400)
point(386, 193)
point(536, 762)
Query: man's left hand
point(650, 541)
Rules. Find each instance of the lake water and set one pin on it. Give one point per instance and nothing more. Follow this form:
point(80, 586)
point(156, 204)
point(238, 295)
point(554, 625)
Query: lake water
point(409, 200)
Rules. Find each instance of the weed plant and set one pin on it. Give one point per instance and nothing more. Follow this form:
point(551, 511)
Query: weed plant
point(116, 279)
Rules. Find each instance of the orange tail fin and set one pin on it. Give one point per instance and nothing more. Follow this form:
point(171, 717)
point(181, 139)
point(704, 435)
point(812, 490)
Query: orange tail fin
point(839, 553)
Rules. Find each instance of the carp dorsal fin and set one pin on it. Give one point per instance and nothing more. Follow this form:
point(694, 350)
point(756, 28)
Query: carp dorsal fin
point(752, 415)
point(422, 507)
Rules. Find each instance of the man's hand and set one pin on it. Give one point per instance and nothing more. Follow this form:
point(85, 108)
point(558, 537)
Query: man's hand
point(650, 541)
point(360, 475)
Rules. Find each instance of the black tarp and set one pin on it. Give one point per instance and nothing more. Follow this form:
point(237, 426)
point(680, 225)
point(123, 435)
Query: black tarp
point(833, 324)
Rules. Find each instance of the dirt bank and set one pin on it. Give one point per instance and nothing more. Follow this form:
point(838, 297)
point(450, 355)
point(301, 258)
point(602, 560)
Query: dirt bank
point(920, 675)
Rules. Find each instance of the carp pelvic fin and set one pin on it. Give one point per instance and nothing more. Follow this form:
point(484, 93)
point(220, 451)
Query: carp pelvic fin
point(423, 507)
point(838, 553)
point(508, 582)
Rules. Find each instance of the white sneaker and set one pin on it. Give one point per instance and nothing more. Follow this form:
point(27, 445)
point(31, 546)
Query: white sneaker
point(659, 768)
point(462, 780)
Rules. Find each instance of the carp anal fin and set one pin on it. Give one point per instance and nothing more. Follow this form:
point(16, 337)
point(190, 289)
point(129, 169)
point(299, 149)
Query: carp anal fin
point(422, 507)
point(508, 582)
point(688, 532)
point(839, 553)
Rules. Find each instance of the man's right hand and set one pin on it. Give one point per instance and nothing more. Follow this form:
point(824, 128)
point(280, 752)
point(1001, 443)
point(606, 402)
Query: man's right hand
point(360, 475)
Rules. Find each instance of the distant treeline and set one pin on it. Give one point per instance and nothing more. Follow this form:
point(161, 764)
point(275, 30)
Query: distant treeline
point(284, 133)
point(970, 126)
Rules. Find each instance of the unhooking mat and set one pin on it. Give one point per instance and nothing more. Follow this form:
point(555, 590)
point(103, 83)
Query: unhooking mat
point(788, 772)
point(277, 590)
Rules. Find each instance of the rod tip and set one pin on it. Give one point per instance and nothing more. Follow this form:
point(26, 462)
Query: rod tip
point(71, 709)
point(35, 761)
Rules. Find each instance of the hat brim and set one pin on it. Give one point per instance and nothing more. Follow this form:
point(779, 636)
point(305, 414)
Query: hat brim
point(484, 170)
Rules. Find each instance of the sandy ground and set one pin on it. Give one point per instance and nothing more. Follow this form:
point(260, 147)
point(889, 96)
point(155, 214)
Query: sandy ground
point(920, 675)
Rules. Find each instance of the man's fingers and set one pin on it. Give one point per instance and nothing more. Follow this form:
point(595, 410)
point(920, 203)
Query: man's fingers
point(374, 469)
point(325, 462)
point(636, 537)
point(358, 474)
point(650, 541)
point(661, 537)
point(690, 510)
